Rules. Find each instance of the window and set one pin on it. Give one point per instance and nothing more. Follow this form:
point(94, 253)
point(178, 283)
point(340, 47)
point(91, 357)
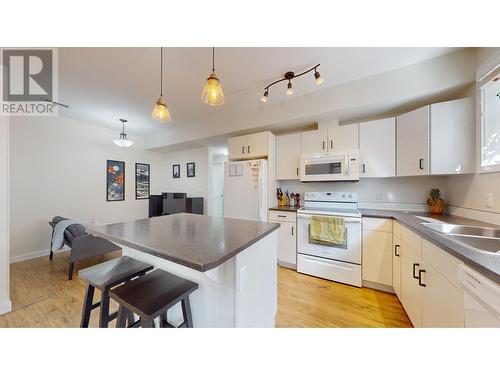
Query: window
point(490, 123)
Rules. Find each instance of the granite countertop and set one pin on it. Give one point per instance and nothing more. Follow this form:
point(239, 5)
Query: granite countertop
point(486, 263)
point(285, 208)
point(196, 241)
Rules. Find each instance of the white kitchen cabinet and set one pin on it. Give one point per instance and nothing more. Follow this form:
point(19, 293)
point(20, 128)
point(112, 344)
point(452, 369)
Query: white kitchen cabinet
point(452, 137)
point(436, 139)
point(396, 258)
point(343, 138)
point(377, 148)
point(411, 292)
point(252, 146)
point(236, 147)
point(315, 142)
point(377, 252)
point(288, 152)
point(287, 237)
point(413, 143)
point(330, 139)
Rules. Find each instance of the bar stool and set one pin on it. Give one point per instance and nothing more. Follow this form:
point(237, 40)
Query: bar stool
point(150, 296)
point(105, 276)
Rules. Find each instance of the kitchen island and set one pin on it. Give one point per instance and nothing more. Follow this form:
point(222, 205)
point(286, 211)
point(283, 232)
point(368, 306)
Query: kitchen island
point(232, 260)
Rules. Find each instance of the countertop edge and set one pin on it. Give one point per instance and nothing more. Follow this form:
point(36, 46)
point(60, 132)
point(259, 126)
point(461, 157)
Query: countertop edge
point(435, 239)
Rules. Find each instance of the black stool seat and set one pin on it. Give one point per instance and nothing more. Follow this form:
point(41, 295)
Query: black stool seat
point(153, 294)
point(105, 276)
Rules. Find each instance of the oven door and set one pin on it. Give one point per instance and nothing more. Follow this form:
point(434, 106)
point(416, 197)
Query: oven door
point(324, 168)
point(350, 252)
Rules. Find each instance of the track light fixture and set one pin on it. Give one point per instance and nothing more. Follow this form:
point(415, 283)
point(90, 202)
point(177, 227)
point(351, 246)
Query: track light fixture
point(288, 77)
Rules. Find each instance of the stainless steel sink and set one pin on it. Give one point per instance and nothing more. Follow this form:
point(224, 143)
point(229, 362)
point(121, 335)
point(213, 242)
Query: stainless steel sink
point(464, 230)
point(480, 238)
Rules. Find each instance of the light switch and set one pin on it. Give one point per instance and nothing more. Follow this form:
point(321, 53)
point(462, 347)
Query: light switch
point(488, 200)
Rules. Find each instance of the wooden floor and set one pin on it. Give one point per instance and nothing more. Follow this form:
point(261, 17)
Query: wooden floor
point(43, 297)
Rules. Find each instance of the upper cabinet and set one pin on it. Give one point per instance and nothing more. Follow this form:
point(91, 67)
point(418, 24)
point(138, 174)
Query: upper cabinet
point(253, 146)
point(436, 139)
point(330, 139)
point(452, 137)
point(377, 147)
point(288, 156)
point(413, 143)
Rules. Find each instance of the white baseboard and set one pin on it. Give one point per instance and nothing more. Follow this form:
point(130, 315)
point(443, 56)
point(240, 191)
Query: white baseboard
point(382, 287)
point(5, 307)
point(36, 254)
point(486, 216)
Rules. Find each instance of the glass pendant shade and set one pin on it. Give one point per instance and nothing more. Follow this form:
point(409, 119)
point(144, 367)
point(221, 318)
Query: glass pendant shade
point(160, 111)
point(123, 141)
point(212, 92)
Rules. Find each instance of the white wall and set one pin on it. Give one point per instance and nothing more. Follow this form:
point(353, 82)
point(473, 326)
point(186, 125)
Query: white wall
point(396, 192)
point(468, 191)
point(197, 186)
point(58, 167)
point(5, 304)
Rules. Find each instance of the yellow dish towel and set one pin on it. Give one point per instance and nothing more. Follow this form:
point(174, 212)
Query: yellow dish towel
point(327, 229)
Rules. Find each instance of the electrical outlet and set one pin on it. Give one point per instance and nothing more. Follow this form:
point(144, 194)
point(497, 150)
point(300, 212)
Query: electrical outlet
point(488, 200)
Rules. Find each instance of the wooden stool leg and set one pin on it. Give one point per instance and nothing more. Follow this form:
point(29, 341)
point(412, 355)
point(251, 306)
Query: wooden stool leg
point(104, 313)
point(70, 271)
point(87, 306)
point(147, 323)
point(121, 319)
point(186, 311)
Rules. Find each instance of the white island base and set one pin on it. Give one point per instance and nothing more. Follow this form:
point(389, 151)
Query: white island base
point(242, 292)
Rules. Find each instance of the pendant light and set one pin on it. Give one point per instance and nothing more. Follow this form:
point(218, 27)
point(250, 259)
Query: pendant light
point(123, 141)
point(160, 111)
point(212, 92)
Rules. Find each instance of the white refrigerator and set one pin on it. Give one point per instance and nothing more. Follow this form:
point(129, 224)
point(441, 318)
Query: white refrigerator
point(246, 189)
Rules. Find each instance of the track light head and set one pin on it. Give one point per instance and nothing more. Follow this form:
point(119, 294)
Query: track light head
point(289, 88)
point(263, 98)
point(319, 79)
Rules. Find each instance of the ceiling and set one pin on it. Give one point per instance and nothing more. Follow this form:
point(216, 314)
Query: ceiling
point(102, 85)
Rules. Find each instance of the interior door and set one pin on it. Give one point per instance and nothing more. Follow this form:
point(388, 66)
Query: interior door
point(218, 189)
point(413, 143)
point(377, 148)
point(315, 142)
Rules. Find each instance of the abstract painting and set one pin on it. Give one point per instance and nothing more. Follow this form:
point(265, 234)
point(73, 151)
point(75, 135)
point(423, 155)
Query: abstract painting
point(142, 181)
point(190, 169)
point(115, 180)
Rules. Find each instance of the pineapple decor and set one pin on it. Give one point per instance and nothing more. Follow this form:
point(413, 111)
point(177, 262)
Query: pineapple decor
point(435, 203)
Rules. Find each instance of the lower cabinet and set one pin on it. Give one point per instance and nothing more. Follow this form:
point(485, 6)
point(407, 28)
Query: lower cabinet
point(396, 258)
point(377, 252)
point(429, 287)
point(287, 237)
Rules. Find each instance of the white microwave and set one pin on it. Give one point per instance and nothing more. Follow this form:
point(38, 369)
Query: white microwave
point(339, 166)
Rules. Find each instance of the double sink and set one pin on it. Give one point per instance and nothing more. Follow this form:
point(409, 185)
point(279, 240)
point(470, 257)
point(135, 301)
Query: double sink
point(485, 239)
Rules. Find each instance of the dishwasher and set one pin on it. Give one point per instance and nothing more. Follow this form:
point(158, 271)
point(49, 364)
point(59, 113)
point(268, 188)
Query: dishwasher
point(481, 299)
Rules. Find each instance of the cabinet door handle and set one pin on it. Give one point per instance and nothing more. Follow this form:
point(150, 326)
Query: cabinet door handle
point(331, 144)
point(292, 231)
point(421, 163)
point(282, 216)
point(420, 272)
point(396, 247)
point(297, 171)
point(415, 265)
point(323, 145)
point(248, 149)
point(364, 168)
point(242, 149)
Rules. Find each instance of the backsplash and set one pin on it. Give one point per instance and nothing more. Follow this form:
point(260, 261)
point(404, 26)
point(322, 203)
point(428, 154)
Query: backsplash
point(395, 192)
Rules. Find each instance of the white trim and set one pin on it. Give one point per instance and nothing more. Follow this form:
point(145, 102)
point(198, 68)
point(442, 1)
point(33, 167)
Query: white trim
point(480, 215)
point(378, 286)
point(5, 307)
point(33, 255)
point(487, 67)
